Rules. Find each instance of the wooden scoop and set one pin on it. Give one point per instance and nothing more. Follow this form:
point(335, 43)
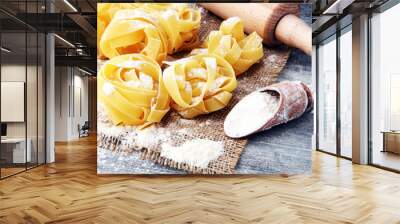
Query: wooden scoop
point(274, 22)
point(252, 114)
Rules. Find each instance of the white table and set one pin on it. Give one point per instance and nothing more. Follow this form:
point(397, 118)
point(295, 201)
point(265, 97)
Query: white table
point(18, 144)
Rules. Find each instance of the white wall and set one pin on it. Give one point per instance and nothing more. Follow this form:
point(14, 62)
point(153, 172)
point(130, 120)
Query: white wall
point(81, 84)
point(33, 127)
point(71, 93)
point(62, 82)
point(12, 73)
point(50, 95)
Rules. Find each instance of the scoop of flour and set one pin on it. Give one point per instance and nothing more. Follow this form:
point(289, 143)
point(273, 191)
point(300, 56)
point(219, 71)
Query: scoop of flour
point(250, 114)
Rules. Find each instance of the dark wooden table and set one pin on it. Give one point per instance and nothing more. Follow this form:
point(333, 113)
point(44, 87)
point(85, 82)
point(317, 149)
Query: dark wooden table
point(391, 141)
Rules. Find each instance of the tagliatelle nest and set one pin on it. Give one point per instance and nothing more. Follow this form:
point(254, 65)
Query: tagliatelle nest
point(199, 84)
point(132, 90)
point(134, 31)
point(231, 43)
point(151, 29)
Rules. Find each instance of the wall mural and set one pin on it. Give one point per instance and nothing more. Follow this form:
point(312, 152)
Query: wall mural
point(204, 88)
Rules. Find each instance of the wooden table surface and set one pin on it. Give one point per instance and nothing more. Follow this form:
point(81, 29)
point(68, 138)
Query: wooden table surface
point(283, 149)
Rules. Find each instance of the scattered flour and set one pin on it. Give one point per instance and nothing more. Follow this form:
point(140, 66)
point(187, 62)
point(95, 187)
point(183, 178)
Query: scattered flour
point(110, 130)
point(169, 13)
point(197, 152)
point(250, 114)
point(184, 131)
point(232, 20)
point(184, 121)
point(150, 137)
point(219, 82)
point(108, 88)
point(131, 64)
point(197, 73)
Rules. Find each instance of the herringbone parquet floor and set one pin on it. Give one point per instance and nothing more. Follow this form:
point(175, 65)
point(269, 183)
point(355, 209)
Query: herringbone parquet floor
point(69, 191)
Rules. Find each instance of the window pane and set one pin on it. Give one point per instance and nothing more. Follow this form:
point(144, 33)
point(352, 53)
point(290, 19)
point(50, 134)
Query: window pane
point(346, 93)
point(385, 114)
point(14, 153)
point(327, 96)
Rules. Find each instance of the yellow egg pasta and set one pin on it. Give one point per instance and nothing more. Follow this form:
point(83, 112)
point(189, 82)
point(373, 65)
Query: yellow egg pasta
point(158, 7)
point(134, 31)
point(231, 43)
point(137, 37)
point(181, 27)
point(199, 84)
point(105, 13)
point(125, 28)
point(132, 91)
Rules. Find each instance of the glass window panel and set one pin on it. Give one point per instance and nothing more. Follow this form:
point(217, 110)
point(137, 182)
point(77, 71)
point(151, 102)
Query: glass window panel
point(22, 61)
point(13, 86)
point(346, 94)
point(327, 96)
point(385, 115)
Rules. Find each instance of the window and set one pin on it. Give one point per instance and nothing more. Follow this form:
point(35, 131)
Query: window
point(333, 137)
point(346, 75)
point(327, 96)
point(385, 89)
point(22, 76)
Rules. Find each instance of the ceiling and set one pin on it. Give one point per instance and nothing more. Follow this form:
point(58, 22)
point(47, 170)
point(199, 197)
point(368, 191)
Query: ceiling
point(332, 15)
point(74, 22)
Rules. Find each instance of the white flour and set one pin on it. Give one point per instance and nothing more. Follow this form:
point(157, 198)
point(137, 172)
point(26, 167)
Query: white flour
point(108, 88)
point(250, 114)
point(149, 137)
point(197, 152)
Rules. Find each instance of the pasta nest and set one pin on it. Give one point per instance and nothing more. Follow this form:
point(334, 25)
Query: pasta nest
point(167, 28)
point(105, 13)
point(199, 84)
point(134, 31)
point(181, 27)
point(231, 43)
point(131, 88)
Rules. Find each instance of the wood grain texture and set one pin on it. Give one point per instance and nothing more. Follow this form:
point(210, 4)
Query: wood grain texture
point(257, 17)
point(70, 191)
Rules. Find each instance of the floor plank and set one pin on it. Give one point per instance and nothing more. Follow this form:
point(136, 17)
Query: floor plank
point(70, 191)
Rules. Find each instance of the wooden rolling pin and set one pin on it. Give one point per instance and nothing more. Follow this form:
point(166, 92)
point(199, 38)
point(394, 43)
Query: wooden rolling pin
point(274, 22)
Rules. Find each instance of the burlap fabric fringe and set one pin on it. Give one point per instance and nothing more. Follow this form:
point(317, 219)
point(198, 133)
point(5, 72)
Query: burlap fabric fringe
point(175, 130)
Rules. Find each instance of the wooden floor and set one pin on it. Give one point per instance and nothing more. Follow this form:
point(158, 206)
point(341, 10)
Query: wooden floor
point(387, 159)
point(69, 191)
point(10, 171)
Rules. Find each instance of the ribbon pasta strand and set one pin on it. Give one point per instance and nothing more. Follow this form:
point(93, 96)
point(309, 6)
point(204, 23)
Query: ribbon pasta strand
point(105, 13)
point(199, 84)
point(231, 43)
point(125, 28)
point(181, 27)
point(134, 31)
point(132, 90)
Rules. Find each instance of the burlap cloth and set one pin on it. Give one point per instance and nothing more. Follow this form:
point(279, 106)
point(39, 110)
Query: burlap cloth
point(175, 130)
